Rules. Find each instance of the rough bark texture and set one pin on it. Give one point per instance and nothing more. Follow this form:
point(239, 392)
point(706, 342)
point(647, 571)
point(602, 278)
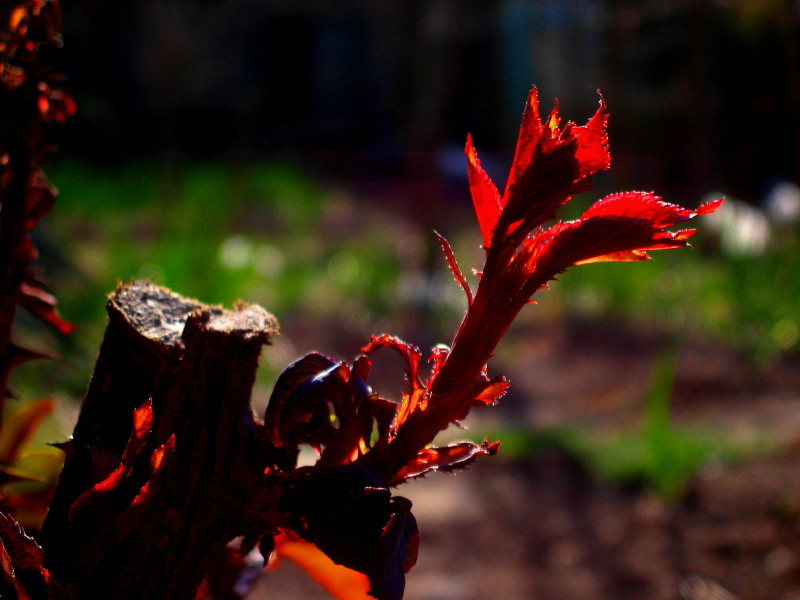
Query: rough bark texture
point(140, 515)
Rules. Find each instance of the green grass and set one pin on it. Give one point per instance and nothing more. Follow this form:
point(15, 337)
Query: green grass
point(660, 455)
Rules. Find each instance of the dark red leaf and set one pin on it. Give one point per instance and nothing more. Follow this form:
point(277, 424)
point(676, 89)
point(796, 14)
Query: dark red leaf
point(39, 199)
point(410, 353)
point(378, 412)
point(22, 572)
point(437, 359)
point(55, 105)
point(297, 411)
point(351, 516)
point(398, 547)
point(9, 475)
point(16, 355)
point(43, 306)
point(25, 553)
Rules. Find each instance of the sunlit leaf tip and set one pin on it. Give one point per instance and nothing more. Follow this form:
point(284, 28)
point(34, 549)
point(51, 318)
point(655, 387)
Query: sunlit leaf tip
point(485, 196)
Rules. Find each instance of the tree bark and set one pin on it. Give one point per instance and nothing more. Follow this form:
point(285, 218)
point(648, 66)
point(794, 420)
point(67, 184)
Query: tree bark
point(138, 513)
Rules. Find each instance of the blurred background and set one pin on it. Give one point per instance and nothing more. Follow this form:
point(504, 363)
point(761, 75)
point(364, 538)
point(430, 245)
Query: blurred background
point(299, 155)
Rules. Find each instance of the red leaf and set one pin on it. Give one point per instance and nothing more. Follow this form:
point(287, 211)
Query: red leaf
point(551, 164)
point(156, 459)
point(529, 133)
point(639, 205)
point(620, 227)
point(140, 433)
point(485, 196)
point(453, 264)
point(493, 391)
point(553, 250)
point(448, 458)
point(415, 399)
point(592, 142)
point(142, 424)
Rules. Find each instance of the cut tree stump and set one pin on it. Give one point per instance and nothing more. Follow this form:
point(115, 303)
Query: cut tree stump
point(167, 462)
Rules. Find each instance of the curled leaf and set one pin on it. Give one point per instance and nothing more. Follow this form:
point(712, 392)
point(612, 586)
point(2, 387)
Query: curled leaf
point(325, 404)
point(297, 411)
point(415, 398)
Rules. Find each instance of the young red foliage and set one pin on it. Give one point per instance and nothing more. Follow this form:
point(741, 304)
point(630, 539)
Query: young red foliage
point(551, 163)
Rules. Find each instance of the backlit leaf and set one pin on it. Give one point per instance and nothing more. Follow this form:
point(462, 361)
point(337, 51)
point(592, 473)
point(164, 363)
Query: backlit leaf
point(485, 196)
point(448, 458)
point(339, 581)
point(454, 268)
point(22, 572)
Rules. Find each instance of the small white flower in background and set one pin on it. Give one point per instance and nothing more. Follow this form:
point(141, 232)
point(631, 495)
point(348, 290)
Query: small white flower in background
point(236, 252)
point(742, 229)
point(782, 203)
